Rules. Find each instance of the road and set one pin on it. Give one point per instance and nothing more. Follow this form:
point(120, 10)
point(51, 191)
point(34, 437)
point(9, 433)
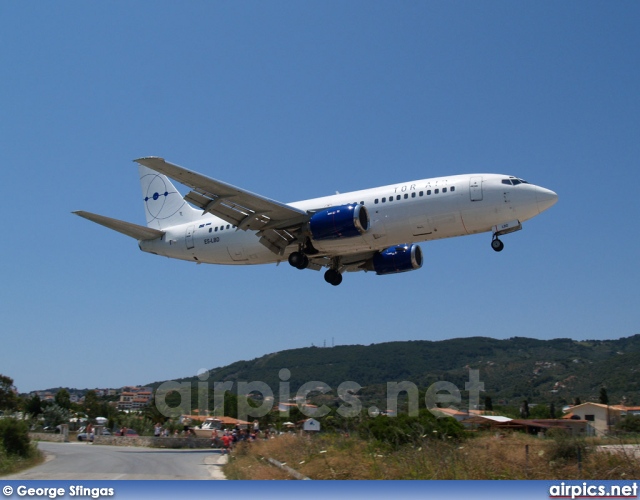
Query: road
point(79, 461)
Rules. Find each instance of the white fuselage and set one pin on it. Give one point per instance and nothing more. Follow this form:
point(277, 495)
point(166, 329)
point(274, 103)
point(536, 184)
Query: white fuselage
point(410, 212)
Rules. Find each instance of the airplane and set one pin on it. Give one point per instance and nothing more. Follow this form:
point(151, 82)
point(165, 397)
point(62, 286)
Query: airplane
point(370, 230)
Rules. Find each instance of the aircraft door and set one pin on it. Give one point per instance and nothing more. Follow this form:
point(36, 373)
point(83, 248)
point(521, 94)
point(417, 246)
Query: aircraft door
point(475, 188)
point(188, 237)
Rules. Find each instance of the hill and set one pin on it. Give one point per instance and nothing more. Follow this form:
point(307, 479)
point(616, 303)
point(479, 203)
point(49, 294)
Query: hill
point(541, 371)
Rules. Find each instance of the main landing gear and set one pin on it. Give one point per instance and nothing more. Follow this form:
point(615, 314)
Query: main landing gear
point(298, 260)
point(333, 277)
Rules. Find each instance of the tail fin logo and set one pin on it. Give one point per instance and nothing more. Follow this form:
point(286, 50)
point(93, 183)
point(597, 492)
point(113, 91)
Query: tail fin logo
point(161, 201)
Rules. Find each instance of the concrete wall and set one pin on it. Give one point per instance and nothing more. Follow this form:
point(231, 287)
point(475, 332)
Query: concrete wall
point(154, 442)
point(143, 441)
point(48, 436)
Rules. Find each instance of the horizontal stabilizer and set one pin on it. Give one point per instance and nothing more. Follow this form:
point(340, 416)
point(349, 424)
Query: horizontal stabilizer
point(132, 230)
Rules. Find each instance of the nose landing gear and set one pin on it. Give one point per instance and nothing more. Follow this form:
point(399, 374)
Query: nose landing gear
point(506, 228)
point(497, 244)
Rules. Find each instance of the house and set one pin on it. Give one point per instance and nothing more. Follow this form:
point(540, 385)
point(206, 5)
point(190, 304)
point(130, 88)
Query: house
point(460, 415)
point(542, 425)
point(311, 425)
point(484, 421)
point(306, 408)
point(628, 410)
point(126, 400)
point(450, 412)
point(134, 399)
point(600, 418)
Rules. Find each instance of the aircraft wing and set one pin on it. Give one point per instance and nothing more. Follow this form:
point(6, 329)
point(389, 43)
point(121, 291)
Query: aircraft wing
point(277, 224)
point(133, 230)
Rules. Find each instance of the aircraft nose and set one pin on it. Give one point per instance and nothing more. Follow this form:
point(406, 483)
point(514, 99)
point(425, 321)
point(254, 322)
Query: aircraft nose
point(545, 198)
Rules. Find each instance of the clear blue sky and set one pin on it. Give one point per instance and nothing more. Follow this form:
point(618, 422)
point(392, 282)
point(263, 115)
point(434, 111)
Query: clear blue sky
point(295, 100)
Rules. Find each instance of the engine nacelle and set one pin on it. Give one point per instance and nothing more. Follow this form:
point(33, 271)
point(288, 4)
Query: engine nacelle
point(344, 221)
point(397, 259)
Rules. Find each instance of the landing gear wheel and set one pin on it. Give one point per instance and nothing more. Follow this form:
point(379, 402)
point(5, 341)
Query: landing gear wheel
point(333, 277)
point(299, 260)
point(497, 245)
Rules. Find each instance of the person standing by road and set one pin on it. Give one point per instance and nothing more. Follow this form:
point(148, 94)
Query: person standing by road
point(226, 443)
point(215, 441)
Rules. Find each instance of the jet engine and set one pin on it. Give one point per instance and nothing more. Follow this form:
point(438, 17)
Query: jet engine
point(397, 259)
point(344, 221)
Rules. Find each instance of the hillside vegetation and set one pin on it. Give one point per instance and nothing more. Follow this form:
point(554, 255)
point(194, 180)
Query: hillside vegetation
point(514, 369)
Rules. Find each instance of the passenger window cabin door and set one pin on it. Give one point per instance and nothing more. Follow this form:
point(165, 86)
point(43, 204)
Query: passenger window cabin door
point(475, 188)
point(188, 237)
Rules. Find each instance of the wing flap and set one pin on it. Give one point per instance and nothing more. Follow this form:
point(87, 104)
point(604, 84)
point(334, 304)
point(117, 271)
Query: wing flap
point(348, 263)
point(241, 216)
point(132, 230)
point(276, 240)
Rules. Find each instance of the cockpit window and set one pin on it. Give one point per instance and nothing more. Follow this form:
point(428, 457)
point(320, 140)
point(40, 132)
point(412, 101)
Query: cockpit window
point(514, 181)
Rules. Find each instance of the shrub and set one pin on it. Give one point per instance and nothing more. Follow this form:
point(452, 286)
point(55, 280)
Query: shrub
point(629, 424)
point(401, 430)
point(14, 436)
point(566, 447)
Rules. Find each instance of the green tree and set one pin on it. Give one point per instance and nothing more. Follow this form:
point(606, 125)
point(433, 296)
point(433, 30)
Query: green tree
point(55, 415)
point(604, 397)
point(152, 412)
point(33, 405)
point(63, 399)
point(91, 404)
point(8, 397)
point(524, 409)
point(230, 403)
point(539, 411)
point(173, 402)
point(488, 403)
